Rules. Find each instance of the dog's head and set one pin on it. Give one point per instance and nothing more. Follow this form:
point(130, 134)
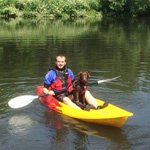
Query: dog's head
point(83, 76)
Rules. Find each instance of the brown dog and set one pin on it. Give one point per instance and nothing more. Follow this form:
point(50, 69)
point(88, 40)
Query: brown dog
point(81, 86)
point(78, 96)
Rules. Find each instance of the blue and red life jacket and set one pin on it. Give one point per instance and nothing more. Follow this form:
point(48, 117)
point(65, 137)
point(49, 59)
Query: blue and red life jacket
point(63, 80)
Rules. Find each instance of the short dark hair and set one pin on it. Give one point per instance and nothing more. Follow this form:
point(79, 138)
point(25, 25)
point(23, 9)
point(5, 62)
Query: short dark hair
point(60, 55)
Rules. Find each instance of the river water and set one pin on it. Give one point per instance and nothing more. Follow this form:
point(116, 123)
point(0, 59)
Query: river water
point(107, 48)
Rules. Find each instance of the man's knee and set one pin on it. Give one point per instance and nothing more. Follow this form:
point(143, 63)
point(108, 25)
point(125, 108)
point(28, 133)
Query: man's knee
point(66, 100)
point(87, 92)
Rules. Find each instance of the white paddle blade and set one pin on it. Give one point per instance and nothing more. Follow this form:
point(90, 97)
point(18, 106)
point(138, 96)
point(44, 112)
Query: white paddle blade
point(21, 101)
point(107, 80)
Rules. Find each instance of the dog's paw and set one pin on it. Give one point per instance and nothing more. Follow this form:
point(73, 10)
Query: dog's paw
point(89, 107)
point(103, 106)
point(82, 106)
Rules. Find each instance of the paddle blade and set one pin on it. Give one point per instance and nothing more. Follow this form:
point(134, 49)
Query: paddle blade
point(21, 101)
point(107, 80)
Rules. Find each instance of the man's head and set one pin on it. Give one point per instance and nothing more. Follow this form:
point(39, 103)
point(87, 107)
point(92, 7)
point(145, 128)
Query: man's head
point(60, 61)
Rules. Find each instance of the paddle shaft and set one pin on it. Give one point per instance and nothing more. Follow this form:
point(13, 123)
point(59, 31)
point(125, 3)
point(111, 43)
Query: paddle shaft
point(96, 82)
point(101, 81)
point(92, 83)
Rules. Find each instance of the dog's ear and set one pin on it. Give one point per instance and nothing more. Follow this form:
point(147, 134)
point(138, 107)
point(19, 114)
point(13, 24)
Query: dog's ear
point(89, 74)
point(79, 73)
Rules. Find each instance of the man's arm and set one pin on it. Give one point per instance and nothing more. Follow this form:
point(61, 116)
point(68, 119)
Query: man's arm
point(47, 82)
point(71, 74)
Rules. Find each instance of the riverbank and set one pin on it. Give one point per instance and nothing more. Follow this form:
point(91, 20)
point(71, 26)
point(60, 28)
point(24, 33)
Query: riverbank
point(49, 9)
point(70, 9)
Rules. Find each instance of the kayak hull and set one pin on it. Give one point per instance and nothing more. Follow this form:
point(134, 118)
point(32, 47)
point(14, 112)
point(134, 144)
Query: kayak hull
point(110, 115)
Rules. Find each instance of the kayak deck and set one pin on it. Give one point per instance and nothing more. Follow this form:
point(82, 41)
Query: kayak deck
point(110, 115)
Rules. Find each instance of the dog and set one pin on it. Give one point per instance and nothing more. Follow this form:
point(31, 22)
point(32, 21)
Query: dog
point(80, 86)
point(78, 95)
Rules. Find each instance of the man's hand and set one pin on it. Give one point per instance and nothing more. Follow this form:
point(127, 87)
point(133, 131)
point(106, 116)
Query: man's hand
point(46, 91)
point(51, 92)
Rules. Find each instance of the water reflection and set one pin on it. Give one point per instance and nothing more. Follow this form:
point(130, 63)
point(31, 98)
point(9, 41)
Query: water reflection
point(20, 124)
point(80, 131)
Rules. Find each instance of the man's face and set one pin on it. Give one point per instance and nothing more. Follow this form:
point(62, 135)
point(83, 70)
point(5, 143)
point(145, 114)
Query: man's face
point(60, 62)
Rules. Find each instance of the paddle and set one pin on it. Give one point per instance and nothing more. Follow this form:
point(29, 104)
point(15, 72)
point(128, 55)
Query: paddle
point(105, 80)
point(24, 100)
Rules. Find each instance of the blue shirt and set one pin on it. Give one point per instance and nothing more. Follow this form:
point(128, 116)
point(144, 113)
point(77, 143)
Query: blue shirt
point(51, 76)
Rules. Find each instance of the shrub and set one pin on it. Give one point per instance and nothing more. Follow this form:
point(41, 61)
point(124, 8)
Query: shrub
point(11, 12)
point(46, 8)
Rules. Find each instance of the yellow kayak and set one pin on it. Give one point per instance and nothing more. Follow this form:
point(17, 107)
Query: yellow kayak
point(110, 115)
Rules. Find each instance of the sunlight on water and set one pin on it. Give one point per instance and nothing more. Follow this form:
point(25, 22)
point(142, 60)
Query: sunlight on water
point(20, 125)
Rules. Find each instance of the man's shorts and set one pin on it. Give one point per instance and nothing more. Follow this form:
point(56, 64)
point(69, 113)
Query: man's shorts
point(61, 96)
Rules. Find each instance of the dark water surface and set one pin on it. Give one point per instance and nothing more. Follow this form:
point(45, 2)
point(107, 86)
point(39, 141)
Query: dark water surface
point(106, 48)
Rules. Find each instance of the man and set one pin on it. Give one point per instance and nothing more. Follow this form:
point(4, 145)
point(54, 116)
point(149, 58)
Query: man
point(61, 77)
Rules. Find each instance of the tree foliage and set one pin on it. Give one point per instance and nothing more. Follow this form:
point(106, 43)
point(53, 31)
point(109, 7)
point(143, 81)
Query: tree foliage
point(125, 7)
point(48, 8)
point(74, 8)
